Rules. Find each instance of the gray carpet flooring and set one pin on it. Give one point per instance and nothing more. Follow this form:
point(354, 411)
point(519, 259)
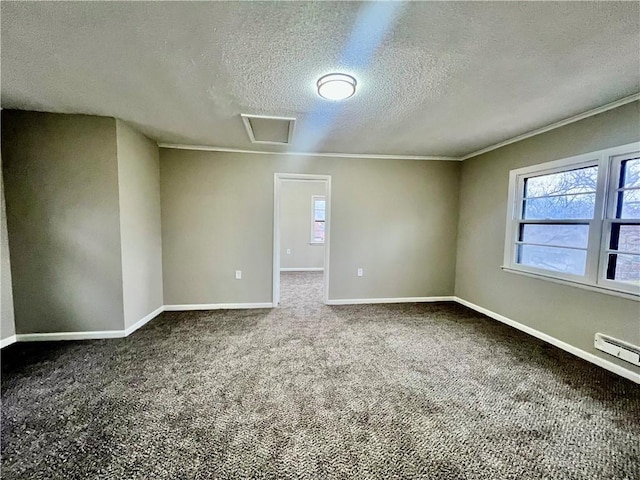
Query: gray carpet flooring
point(308, 391)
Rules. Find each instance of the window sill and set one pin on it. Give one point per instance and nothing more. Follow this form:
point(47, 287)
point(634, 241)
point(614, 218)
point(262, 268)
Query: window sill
point(584, 286)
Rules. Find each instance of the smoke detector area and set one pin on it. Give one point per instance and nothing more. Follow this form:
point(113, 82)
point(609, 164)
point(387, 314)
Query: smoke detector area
point(268, 129)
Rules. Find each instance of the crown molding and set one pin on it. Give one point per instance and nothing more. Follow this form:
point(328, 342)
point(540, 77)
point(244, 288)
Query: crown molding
point(181, 146)
point(553, 126)
point(532, 133)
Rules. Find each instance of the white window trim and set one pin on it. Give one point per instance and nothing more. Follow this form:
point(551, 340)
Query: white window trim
point(312, 240)
point(608, 161)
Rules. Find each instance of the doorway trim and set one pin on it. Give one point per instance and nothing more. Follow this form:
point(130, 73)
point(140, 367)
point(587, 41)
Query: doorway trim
point(278, 178)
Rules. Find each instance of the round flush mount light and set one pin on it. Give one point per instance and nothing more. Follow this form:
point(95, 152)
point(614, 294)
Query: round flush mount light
point(336, 86)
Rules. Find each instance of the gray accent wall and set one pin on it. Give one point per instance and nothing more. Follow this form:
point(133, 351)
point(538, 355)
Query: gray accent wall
point(61, 187)
point(7, 321)
point(139, 193)
point(295, 225)
point(570, 314)
point(395, 219)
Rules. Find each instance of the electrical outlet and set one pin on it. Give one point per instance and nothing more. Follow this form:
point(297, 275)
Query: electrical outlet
point(238, 274)
point(288, 251)
point(360, 272)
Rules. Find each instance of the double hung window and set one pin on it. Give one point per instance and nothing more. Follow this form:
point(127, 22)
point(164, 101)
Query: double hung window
point(578, 220)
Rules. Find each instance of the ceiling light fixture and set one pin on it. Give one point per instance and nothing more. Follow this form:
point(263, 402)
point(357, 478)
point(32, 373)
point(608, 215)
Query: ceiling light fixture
point(336, 86)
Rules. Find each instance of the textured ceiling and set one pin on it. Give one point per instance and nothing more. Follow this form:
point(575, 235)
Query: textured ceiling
point(441, 78)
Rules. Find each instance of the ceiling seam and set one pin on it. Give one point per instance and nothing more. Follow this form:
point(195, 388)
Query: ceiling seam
point(532, 133)
point(181, 146)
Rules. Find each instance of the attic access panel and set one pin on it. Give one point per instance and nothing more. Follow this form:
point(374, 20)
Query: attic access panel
point(267, 129)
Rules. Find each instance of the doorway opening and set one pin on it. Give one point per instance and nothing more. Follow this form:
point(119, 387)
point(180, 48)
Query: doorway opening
point(301, 228)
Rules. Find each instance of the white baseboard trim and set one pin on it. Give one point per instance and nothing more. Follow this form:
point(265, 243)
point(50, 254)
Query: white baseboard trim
point(302, 269)
point(93, 335)
point(57, 336)
point(143, 321)
point(589, 357)
point(360, 301)
point(215, 306)
point(102, 334)
point(5, 342)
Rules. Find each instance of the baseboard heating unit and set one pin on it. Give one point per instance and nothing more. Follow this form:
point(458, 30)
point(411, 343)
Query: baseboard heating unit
point(618, 348)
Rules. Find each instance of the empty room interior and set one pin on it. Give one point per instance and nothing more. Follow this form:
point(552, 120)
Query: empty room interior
point(320, 240)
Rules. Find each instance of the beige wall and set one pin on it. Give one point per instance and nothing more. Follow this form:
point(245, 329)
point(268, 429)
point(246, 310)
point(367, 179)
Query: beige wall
point(139, 193)
point(89, 242)
point(7, 321)
point(570, 314)
point(395, 219)
point(61, 187)
point(295, 225)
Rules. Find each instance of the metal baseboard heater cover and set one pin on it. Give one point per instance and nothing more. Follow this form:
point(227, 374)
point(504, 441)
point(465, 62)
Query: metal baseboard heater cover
point(618, 348)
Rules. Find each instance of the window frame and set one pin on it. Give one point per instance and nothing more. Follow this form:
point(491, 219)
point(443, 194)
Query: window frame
point(615, 169)
point(312, 238)
point(608, 162)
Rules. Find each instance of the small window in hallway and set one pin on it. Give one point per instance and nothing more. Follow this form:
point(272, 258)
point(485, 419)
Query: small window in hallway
point(317, 219)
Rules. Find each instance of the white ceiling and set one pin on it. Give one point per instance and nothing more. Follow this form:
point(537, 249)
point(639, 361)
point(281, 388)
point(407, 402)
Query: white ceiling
point(441, 78)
